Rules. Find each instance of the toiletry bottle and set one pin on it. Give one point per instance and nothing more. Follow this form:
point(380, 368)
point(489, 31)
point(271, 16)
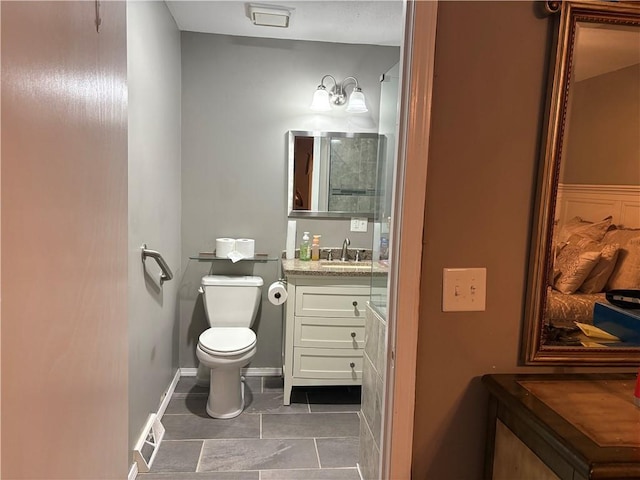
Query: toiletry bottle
point(305, 248)
point(384, 248)
point(315, 248)
point(385, 227)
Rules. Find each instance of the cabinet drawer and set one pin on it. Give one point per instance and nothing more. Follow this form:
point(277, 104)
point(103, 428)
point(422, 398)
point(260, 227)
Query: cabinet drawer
point(327, 363)
point(331, 301)
point(329, 332)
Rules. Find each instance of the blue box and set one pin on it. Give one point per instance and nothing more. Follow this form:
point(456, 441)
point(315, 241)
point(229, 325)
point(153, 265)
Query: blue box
point(621, 322)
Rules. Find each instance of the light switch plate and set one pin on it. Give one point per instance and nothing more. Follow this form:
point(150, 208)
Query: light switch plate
point(359, 224)
point(464, 289)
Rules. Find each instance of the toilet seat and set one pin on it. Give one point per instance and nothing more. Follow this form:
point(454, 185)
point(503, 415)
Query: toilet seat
point(227, 341)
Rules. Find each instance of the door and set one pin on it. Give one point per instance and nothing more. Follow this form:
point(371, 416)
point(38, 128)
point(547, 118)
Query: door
point(64, 241)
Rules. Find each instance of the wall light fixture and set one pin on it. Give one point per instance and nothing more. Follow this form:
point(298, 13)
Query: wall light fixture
point(323, 98)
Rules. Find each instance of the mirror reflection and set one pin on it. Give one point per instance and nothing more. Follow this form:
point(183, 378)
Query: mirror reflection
point(588, 238)
point(332, 173)
point(597, 212)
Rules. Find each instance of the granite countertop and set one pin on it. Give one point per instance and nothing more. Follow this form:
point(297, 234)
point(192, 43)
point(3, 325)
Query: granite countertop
point(325, 268)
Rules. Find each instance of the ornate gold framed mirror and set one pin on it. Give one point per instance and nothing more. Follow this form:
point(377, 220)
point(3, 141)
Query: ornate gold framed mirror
point(586, 227)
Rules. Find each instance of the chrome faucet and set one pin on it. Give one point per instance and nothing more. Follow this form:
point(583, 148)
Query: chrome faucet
point(345, 255)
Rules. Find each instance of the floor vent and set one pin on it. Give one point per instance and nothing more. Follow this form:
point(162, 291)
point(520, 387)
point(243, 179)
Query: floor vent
point(147, 446)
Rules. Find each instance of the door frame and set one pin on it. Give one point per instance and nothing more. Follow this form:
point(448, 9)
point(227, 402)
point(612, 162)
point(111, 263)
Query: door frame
point(407, 238)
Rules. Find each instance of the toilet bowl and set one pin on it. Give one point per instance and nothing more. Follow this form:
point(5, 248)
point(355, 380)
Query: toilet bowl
point(231, 304)
point(224, 351)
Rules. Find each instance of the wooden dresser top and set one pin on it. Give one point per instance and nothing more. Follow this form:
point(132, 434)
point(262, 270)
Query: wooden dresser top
point(588, 418)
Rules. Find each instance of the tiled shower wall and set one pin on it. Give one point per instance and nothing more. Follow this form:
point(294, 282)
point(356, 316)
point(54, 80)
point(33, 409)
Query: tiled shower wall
point(353, 164)
point(373, 377)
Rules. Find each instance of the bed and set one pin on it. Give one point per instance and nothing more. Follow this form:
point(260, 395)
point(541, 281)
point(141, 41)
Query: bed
point(596, 248)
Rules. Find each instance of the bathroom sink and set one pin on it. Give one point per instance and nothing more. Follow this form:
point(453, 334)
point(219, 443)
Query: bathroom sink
point(349, 265)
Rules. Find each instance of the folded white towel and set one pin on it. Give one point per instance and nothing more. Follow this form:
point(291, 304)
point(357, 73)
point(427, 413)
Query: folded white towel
point(235, 256)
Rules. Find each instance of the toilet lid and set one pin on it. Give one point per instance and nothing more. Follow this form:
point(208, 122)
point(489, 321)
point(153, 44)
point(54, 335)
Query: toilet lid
point(227, 340)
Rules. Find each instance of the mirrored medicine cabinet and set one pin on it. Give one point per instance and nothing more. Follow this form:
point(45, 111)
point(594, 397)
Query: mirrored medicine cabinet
point(333, 174)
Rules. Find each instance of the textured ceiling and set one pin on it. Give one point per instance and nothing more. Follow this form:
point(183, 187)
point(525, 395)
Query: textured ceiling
point(348, 21)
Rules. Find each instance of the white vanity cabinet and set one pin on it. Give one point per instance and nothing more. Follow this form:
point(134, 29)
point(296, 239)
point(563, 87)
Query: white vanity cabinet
point(324, 331)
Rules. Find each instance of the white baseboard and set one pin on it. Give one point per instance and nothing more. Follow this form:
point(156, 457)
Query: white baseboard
point(133, 472)
point(168, 394)
point(249, 372)
point(261, 372)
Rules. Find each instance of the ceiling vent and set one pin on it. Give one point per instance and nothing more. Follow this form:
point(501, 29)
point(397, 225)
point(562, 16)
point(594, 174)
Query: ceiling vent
point(269, 15)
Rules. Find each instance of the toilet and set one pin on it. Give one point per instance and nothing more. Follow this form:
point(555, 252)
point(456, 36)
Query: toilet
point(231, 304)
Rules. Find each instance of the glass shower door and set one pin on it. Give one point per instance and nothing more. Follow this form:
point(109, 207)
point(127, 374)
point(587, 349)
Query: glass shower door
point(376, 327)
point(387, 148)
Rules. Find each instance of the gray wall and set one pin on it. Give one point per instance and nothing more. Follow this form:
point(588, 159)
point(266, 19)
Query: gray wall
point(153, 44)
point(240, 97)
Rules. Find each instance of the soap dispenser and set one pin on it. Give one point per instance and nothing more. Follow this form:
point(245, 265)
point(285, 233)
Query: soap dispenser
point(315, 248)
point(305, 248)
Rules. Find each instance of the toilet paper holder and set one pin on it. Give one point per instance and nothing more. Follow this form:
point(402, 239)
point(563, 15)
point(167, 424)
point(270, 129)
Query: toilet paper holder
point(284, 282)
point(277, 293)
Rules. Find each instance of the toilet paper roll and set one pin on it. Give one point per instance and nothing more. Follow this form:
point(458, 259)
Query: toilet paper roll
point(291, 240)
point(277, 293)
point(224, 246)
point(246, 247)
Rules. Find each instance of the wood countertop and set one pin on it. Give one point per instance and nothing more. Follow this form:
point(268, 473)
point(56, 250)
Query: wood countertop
point(589, 420)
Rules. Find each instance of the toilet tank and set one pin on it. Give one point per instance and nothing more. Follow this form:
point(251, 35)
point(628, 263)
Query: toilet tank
point(231, 300)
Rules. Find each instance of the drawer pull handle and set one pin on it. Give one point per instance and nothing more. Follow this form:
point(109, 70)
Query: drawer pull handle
point(353, 334)
point(355, 304)
point(352, 365)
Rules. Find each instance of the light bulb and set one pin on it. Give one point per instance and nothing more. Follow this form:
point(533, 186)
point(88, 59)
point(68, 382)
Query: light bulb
point(320, 102)
point(356, 102)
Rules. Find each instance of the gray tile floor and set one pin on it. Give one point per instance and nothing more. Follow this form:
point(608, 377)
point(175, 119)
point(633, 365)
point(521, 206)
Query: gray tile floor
point(315, 438)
